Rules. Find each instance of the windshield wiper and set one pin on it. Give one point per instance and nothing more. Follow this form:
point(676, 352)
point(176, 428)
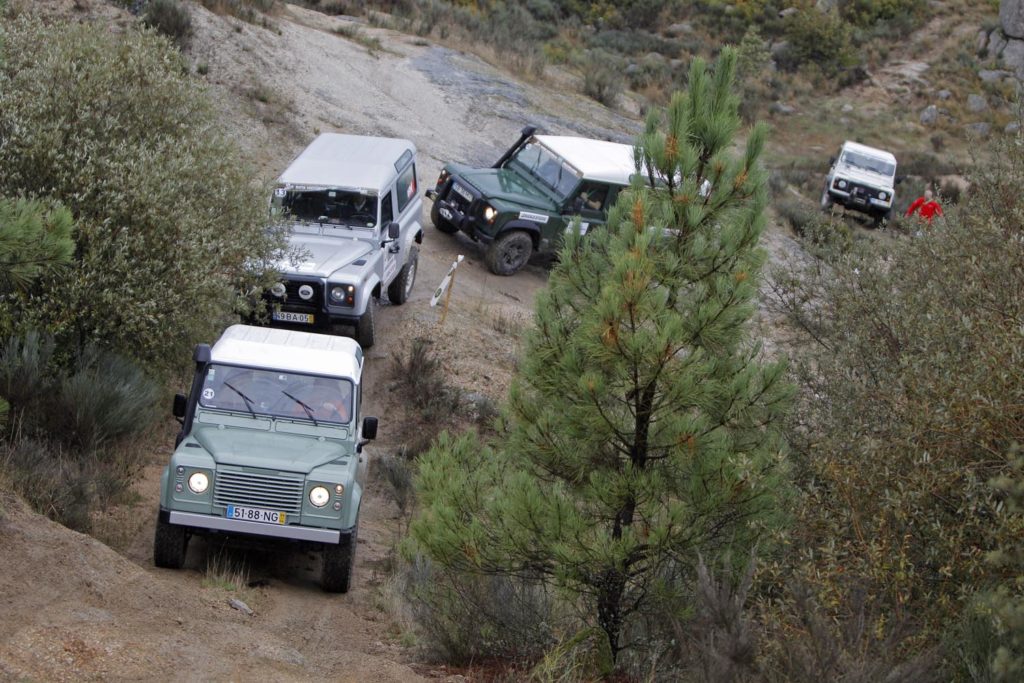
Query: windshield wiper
point(248, 401)
point(309, 411)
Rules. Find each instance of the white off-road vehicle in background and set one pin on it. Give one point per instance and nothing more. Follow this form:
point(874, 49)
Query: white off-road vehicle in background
point(353, 207)
point(863, 179)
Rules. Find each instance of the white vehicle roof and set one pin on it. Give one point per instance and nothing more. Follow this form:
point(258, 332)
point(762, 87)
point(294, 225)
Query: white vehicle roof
point(870, 151)
point(347, 161)
point(609, 162)
point(293, 351)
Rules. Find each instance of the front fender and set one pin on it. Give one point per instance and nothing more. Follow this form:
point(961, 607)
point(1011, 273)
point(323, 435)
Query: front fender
point(528, 227)
point(164, 476)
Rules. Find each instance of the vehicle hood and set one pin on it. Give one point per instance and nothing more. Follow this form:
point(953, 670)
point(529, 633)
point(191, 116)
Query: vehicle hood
point(320, 256)
point(270, 450)
point(858, 175)
point(502, 185)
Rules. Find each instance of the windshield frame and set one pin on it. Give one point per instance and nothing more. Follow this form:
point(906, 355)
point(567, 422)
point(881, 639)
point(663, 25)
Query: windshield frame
point(562, 185)
point(257, 405)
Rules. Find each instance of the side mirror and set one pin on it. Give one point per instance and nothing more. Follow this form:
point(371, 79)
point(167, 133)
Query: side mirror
point(369, 432)
point(899, 179)
point(178, 408)
point(202, 353)
point(394, 230)
point(831, 161)
point(369, 428)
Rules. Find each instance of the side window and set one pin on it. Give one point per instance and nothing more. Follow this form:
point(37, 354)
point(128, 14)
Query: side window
point(405, 187)
point(591, 198)
point(387, 211)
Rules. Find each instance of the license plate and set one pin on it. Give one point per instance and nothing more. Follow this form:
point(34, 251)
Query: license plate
point(445, 213)
point(289, 317)
point(255, 515)
point(462, 192)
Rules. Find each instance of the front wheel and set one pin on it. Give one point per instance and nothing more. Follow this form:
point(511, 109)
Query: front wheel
point(401, 287)
point(366, 330)
point(440, 223)
point(170, 544)
point(826, 201)
point(339, 564)
point(509, 252)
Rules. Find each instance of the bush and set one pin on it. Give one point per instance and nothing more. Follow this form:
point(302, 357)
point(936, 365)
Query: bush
point(602, 76)
point(909, 404)
point(420, 377)
point(171, 229)
point(169, 18)
point(822, 39)
point(54, 482)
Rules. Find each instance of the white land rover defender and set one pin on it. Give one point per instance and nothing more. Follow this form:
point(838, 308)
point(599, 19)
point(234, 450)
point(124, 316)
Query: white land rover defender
point(863, 179)
point(353, 206)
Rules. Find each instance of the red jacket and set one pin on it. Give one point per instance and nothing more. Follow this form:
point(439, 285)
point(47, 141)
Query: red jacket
point(928, 209)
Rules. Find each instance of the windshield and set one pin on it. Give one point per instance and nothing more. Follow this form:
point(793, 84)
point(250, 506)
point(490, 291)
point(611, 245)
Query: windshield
point(552, 170)
point(277, 394)
point(866, 163)
point(335, 207)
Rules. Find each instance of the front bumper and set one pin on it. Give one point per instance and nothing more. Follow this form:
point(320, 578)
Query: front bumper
point(200, 522)
point(859, 201)
point(462, 220)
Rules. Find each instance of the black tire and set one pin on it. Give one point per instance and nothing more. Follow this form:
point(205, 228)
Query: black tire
point(881, 219)
point(401, 287)
point(340, 563)
point(509, 252)
point(440, 223)
point(170, 544)
point(366, 330)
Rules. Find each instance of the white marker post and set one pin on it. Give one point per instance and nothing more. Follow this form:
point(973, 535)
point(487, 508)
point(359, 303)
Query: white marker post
point(448, 283)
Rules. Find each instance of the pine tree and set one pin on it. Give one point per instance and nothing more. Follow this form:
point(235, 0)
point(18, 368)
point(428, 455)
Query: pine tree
point(34, 240)
point(641, 423)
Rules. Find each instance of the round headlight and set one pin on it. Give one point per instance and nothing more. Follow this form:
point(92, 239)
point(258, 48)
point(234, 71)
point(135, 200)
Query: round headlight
point(883, 195)
point(198, 482)
point(278, 289)
point(319, 496)
point(841, 183)
point(489, 213)
point(338, 293)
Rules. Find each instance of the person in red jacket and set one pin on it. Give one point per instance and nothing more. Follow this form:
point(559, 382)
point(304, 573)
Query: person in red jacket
point(926, 207)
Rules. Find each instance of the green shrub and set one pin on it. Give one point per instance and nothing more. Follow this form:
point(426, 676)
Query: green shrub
point(420, 377)
point(105, 399)
point(169, 18)
point(819, 38)
point(171, 228)
point(602, 76)
point(54, 482)
point(869, 12)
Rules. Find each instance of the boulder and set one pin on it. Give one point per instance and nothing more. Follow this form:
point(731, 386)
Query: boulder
point(982, 41)
point(826, 5)
point(1012, 128)
point(944, 94)
point(981, 129)
point(993, 75)
point(783, 109)
point(789, 11)
point(996, 43)
point(846, 108)
point(679, 29)
point(779, 49)
point(1011, 17)
point(929, 115)
point(976, 103)
point(1013, 57)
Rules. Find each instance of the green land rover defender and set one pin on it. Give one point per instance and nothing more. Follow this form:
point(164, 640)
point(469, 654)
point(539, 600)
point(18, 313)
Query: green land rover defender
point(526, 201)
point(270, 448)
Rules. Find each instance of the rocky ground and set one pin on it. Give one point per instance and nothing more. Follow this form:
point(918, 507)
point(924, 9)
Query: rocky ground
point(73, 608)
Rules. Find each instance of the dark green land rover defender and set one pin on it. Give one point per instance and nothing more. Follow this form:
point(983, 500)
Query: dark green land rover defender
point(527, 200)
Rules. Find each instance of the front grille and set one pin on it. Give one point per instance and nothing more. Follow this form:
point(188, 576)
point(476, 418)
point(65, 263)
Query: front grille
point(858, 188)
point(247, 489)
point(294, 301)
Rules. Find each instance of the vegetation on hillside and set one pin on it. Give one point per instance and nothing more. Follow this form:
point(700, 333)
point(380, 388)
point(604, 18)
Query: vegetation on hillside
point(131, 230)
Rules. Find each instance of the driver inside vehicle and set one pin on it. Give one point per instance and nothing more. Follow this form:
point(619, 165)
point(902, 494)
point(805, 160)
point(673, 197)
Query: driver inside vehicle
point(329, 399)
point(361, 210)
